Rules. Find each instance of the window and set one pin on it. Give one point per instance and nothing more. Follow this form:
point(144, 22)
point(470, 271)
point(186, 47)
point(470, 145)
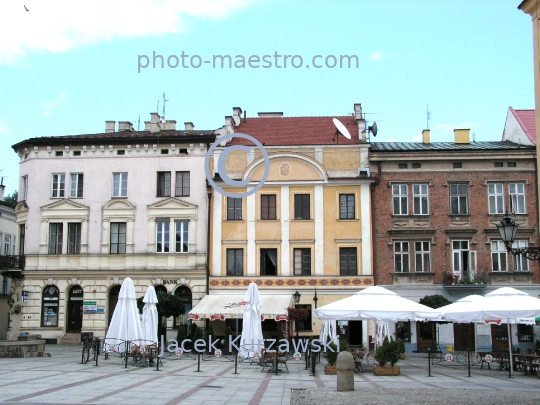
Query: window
point(399, 197)
point(511, 164)
point(496, 198)
point(458, 199)
point(182, 236)
point(301, 206)
point(55, 238)
point(235, 262)
point(498, 164)
point(182, 184)
point(118, 238)
point(162, 236)
point(76, 189)
point(58, 185)
point(268, 206)
point(457, 165)
point(525, 333)
point(416, 165)
point(21, 239)
point(346, 206)
point(59, 153)
point(74, 238)
point(521, 263)
point(347, 262)
point(517, 198)
point(49, 306)
point(164, 184)
point(421, 257)
point(120, 184)
point(463, 260)
point(499, 256)
point(164, 151)
point(24, 188)
point(302, 262)
point(76, 153)
point(268, 262)
point(403, 331)
point(402, 165)
point(121, 152)
point(234, 208)
point(7, 245)
point(401, 257)
point(420, 199)
point(304, 326)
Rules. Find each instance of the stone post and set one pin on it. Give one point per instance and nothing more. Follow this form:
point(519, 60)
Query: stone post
point(345, 371)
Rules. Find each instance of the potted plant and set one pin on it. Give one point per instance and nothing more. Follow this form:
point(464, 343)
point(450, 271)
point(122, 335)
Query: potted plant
point(448, 278)
point(331, 358)
point(389, 352)
point(297, 314)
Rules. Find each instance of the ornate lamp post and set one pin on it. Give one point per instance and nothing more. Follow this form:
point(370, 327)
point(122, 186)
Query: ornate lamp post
point(296, 297)
point(507, 230)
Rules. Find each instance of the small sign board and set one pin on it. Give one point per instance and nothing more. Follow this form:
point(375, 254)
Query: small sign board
point(179, 352)
point(217, 353)
point(297, 356)
point(90, 307)
point(449, 357)
point(24, 295)
point(488, 358)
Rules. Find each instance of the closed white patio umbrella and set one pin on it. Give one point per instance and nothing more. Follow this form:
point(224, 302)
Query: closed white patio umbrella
point(125, 323)
point(329, 329)
point(150, 317)
point(251, 341)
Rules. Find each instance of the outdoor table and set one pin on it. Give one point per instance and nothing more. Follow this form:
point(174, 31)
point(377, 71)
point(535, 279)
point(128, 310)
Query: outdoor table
point(529, 362)
point(275, 356)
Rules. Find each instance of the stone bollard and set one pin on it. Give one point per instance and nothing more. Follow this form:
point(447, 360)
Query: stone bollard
point(345, 371)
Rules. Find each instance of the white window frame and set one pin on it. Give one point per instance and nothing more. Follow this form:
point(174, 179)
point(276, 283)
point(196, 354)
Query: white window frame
point(24, 188)
point(181, 229)
point(120, 191)
point(499, 255)
point(496, 198)
point(420, 193)
point(521, 263)
point(422, 256)
point(163, 234)
point(459, 197)
point(58, 180)
point(517, 196)
point(404, 256)
point(400, 194)
point(458, 259)
point(75, 179)
point(7, 244)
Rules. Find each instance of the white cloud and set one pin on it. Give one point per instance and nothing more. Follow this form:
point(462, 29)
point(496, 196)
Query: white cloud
point(59, 25)
point(417, 138)
point(376, 56)
point(49, 106)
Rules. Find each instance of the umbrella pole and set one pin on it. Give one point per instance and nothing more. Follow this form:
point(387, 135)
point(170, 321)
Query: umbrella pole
point(509, 327)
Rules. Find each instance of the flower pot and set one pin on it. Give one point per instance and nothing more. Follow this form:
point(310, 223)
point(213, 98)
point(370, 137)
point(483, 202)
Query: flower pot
point(330, 370)
point(386, 371)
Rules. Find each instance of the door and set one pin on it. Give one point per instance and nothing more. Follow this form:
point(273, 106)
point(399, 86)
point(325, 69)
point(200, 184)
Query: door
point(426, 337)
point(464, 338)
point(499, 338)
point(75, 309)
point(113, 300)
point(355, 333)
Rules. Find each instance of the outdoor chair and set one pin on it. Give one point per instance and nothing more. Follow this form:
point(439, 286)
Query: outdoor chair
point(267, 360)
point(358, 356)
point(282, 360)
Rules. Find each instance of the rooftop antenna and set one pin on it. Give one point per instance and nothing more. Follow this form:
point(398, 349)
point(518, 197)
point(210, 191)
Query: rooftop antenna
point(428, 116)
point(164, 101)
point(139, 123)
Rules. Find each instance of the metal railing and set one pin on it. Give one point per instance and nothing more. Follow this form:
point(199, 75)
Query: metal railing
point(11, 262)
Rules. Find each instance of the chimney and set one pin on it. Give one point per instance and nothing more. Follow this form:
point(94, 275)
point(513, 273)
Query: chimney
point(109, 126)
point(125, 126)
point(189, 126)
point(270, 114)
point(425, 136)
point(360, 122)
point(229, 124)
point(170, 124)
point(2, 189)
point(358, 111)
point(462, 135)
point(237, 115)
point(154, 124)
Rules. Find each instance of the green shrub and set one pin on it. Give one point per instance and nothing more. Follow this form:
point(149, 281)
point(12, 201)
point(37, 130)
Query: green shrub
point(389, 352)
point(181, 334)
point(343, 346)
point(192, 328)
point(209, 332)
point(331, 356)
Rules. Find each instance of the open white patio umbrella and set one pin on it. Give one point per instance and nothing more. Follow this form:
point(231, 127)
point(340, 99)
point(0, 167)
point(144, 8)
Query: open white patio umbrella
point(464, 310)
point(150, 317)
point(125, 323)
point(251, 341)
point(329, 329)
point(376, 303)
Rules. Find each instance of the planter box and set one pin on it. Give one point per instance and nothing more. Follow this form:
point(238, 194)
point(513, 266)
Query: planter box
point(330, 370)
point(386, 371)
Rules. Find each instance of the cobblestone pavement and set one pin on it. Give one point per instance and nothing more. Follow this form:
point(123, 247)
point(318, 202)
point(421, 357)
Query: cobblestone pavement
point(60, 379)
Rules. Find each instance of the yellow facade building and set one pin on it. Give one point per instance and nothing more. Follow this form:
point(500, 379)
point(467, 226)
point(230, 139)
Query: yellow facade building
point(307, 229)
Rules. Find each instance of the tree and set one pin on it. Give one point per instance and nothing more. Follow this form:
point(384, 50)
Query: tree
point(168, 305)
point(435, 301)
point(12, 199)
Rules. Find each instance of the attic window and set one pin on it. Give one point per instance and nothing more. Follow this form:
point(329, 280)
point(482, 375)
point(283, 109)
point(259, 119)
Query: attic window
point(402, 165)
point(183, 150)
point(76, 153)
point(498, 164)
point(511, 164)
point(416, 165)
point(121, 152)
point(164, 151)
point(59, 153)
point(458, 165)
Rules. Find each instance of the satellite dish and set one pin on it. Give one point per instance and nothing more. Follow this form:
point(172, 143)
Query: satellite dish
point(341, 128)
point(373, 129)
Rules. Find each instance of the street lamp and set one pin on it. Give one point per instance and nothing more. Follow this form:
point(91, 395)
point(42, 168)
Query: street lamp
point(315, 299)
point(508, 229)
point(296, 297)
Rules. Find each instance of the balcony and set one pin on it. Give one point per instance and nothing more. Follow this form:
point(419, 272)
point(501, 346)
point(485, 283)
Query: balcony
point(12, 266)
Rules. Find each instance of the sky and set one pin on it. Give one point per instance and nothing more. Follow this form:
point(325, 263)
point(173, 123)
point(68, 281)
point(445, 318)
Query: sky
point(66, 67)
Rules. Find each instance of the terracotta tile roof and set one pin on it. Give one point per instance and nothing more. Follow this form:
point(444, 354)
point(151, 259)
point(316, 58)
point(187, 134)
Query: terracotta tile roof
point(285, 131)
point(445, 146)
point(527, 121)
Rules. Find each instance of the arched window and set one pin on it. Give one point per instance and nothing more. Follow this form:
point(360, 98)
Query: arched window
point(185, 295)
point(50, 306)
point(160, 289)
